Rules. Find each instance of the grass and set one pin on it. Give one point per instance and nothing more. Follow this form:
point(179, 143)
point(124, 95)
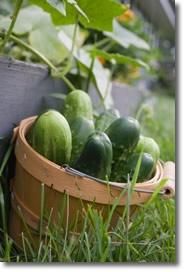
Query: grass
point(148, 238)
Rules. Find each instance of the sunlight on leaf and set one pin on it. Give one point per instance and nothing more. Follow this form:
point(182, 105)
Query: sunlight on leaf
point(126, 38)
point(46, 41)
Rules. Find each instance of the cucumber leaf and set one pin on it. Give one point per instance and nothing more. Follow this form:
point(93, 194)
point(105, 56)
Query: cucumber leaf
point(94, 14)
point(42, 34)
point(78, 9)
point(125, 37)
point(23, 25)
point(58, 5)
point(45, 40)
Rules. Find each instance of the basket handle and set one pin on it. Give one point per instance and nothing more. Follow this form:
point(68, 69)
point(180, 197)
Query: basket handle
point(169, 173)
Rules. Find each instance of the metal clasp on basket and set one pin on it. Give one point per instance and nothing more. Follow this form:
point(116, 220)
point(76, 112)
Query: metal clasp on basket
point(75, 172)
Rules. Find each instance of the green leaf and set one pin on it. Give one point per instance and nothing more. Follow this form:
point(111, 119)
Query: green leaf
point(94, 14)
point(4, 23)
point(29, 18)
point(121, 59)
point(79, 10)
point(126, 38)
point(100, 13)
point(84, 58)
point(56, 14)
point(42, 33)
point(58, 5)
point(46, 41)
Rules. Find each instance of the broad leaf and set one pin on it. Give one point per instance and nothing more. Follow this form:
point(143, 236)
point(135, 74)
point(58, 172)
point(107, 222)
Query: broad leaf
point(94, 14)
point(56, 15)
point(28, 19)
point(78, 9)
point(125, 37)
point(42, 33)
point(4, 23)
point(121, 59)
point(46, 41)
point(100, 13)
point(58, 5)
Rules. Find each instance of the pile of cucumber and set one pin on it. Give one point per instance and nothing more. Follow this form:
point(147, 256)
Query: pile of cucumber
point(106, 147)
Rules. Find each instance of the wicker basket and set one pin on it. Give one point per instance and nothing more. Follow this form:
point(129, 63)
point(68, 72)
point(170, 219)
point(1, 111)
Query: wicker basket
point(33, 170)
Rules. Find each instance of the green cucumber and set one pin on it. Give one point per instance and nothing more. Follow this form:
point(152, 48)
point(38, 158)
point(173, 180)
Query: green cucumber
point(78, 103)
point(105, 119)
point(50, 136)
point(81, 129)
point(146, 167)
point(124, 134)
point(96, 157)
point(148, 145)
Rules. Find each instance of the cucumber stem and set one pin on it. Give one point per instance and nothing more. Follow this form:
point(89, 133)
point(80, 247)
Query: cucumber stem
point(89, 74)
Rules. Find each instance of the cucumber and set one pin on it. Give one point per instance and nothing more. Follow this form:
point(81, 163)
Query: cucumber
point(124, 134)
point(146, 167)
point(78, 103)
point(105, 119)
point(81, 129)
point(50, 136)
point(96, 157)
point(148, 145)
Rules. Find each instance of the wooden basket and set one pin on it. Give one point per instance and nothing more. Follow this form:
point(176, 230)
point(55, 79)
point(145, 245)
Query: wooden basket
point(33, 170)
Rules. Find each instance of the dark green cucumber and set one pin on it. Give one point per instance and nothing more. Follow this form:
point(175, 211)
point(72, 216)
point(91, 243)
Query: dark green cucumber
point(146, 167)
point(124, 134)
point(105, 119)
point(81, 129)
point(50, 136)
point(96, 157)
point(78, 103)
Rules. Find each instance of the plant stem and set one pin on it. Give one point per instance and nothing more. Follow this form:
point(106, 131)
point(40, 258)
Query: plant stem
point(43, 58)
point(89, 74)
point(68, 65)
point(108, 84)
point(101, 42)
point(108, 46)
point(14, 18)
